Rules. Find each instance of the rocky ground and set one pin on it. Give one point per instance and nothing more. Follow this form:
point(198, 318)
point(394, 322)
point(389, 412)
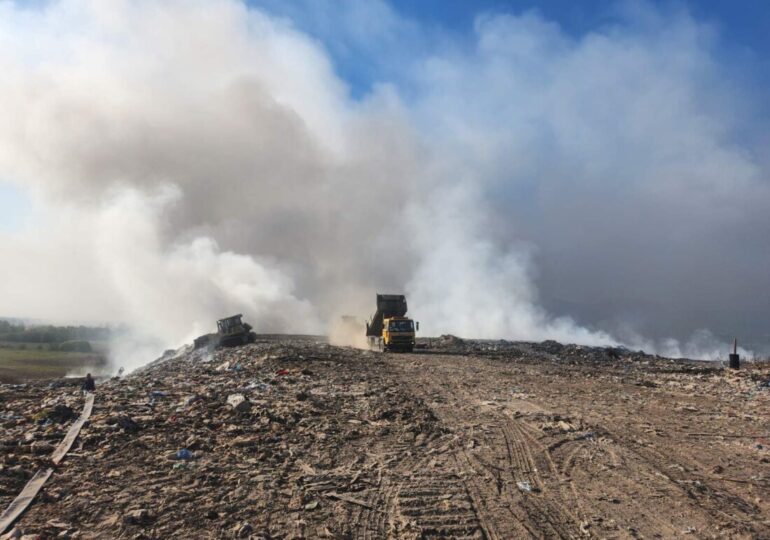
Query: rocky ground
point(294, 438)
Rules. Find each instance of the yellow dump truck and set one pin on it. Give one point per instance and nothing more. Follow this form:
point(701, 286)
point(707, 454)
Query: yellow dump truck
point(389, 328)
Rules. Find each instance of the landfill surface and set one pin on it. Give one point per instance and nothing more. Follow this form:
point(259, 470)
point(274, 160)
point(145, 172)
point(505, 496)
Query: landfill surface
point(290, 437)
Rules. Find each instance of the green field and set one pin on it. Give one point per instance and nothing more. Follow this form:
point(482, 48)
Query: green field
point(31, 363)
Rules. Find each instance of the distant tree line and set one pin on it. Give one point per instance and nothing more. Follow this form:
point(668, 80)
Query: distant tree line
point(58, 335)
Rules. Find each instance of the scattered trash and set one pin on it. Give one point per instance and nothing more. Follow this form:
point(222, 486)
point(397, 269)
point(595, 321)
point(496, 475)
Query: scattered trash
point(245, 530)
point(156, 395)
point(184, 453)
point(239, 403)
point(524, 486)
point(307, 434)
point(61, 413)
point(138, 517)
point(13, 534)
point(189, 400)
point(257, 385)
point(448, 340)
point(127, 424)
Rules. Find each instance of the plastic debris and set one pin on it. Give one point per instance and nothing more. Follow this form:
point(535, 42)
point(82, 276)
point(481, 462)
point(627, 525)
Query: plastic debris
point(239, 403)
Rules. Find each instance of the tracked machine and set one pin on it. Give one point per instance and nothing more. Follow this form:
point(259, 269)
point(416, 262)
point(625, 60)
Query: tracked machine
point(231, 332)
point(389, 328)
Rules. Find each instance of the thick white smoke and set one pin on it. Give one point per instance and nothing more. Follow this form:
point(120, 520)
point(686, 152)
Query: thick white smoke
point(468, 285)
point(190, 160)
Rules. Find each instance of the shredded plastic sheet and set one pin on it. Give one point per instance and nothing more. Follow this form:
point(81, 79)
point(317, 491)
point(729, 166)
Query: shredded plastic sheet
point(24, 499)
point(33, 487)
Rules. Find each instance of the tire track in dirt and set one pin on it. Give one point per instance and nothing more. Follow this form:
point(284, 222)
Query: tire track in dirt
point(413, 491)
point(518, 500)
point(416, 498)
point(486, 502)
point(516, 469)
point(497, 514)
point(439, 505)
point(379, 519)
point(683, 499)
point(626, 491)
point(639, 474)
point(701, 496)
point(548, 507)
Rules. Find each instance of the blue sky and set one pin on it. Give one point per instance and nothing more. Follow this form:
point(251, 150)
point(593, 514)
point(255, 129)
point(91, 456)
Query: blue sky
point(14, 207)
point(743, 27)
point(746, 22)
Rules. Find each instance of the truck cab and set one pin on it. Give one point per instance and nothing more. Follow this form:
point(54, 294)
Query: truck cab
point(389, 328)
point(398, 333)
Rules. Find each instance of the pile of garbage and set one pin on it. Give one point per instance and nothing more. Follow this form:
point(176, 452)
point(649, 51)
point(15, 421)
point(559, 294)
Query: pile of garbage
point(562, 353)
point(293, 438)
point(253, 441)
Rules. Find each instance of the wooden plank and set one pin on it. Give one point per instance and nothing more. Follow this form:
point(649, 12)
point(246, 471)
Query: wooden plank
point(74, 430)
point(24, 499)
point(20, 504)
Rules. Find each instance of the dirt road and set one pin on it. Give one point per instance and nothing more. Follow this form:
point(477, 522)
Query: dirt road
point(548, 449)
point(462, 440)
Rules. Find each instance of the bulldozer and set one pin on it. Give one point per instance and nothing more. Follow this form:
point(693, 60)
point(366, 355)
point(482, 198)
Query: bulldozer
point(231, 332)
point(389, 328)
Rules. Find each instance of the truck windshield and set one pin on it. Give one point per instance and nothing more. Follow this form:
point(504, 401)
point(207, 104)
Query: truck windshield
point(401, 326)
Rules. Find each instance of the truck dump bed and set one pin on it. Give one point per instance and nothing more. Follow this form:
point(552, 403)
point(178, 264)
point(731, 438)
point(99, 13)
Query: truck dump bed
point(388, 305)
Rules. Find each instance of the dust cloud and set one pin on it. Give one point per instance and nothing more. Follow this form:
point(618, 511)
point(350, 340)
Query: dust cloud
point(348, 331)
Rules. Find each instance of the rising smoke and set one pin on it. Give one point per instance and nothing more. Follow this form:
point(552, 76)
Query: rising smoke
point(190, 160)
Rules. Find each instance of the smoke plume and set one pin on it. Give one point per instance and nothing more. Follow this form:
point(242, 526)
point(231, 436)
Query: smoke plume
point(190, 160)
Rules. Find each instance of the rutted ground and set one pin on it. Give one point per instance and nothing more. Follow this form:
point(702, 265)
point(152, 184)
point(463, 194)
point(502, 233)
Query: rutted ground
point(471, 440)
point(569, 445)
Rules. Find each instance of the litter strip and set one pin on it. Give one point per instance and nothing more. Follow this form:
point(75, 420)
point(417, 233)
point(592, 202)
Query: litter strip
point(73, 432)
point(24, 499)
point(20, 504)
